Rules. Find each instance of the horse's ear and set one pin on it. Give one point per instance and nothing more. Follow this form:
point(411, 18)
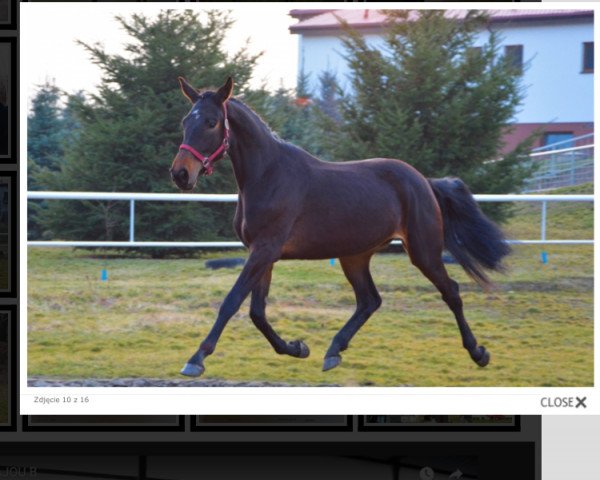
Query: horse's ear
point(188, 91)
point(224, 93)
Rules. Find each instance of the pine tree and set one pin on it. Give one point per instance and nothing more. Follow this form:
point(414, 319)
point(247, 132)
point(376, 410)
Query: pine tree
point(431, 98)
point(44, 129)
point(130, 131)
point(46, 132)
point(303, 89)
point(330, 95)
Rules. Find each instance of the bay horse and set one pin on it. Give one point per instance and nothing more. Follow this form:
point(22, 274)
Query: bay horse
point(294, 206)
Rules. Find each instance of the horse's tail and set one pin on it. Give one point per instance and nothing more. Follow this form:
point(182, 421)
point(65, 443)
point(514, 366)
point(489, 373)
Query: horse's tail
point(473, 239)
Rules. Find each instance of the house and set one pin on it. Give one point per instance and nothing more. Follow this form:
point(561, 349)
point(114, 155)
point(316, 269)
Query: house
point(558, 45)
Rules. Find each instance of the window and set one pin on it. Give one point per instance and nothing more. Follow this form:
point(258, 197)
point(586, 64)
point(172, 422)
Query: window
point(588, 57)
point(558, 140)
point(513, 54)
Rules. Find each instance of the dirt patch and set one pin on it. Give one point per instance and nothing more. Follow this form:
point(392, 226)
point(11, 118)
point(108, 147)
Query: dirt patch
point(157, 382)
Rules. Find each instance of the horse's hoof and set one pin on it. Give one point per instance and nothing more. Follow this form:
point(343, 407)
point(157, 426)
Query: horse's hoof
point(300, 348)
point(485, 357)
point(192, 370)
point(331, 362)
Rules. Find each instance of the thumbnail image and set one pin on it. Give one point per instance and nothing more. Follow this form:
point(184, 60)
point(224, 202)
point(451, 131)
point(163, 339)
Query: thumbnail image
point(5, 66)
point(272, 422)
point(104, 423)
point(4, 11)
point(272, 419)
point(4, 362)
point(102, 419)
point(440, 422)
point(5, 218)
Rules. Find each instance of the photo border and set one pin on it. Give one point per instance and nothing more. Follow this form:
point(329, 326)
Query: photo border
point(142, 427)
point(13, 93)
point(195, 426)
point(13, 367)
point(397, 427)
point(10, 291)
point(12, 16)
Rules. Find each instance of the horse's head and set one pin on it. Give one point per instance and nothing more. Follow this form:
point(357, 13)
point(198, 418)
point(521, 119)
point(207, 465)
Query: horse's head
point(205, 134)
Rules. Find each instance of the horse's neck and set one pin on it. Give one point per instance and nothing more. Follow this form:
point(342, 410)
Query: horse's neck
point(253, 147)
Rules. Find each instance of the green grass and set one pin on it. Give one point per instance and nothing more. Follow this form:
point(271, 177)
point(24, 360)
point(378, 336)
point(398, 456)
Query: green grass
point(566, 220)
point(151, 314)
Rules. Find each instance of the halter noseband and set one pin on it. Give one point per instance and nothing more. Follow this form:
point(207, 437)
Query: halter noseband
point(208, 161)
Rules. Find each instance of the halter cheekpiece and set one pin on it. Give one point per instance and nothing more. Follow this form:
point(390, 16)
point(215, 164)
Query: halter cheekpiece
point(207, 162)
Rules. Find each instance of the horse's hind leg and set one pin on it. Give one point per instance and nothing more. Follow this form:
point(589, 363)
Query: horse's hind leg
point(427, 257)
point(295, 348)
point(368, 300)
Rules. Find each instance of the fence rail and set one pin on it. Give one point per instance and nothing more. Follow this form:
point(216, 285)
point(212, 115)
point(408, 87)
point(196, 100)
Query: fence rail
point(202, 197)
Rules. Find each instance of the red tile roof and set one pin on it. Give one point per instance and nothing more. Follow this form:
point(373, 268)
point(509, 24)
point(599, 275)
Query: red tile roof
point(303, 13)
point(365, 18)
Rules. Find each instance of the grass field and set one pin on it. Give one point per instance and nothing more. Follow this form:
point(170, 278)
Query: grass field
point(150, 315)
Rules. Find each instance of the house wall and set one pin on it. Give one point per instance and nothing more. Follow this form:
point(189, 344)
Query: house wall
point(522, 131)
point(556, 88)
point(320, 52)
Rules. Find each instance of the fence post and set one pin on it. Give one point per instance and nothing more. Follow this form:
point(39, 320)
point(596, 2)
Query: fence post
point(131, 220)
point(543, 233)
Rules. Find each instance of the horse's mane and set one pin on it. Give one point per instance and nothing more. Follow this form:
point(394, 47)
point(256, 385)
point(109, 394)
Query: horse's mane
point(257, 118)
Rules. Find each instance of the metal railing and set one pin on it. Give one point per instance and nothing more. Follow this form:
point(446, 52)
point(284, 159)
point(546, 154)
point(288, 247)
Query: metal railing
point(562, 164)
point(202, 197)
point(561, 168)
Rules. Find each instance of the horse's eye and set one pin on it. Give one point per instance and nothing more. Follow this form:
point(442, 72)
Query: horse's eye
point(211, 123)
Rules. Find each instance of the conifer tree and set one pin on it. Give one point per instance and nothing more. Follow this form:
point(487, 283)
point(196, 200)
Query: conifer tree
point(130, 131)
point(47, 132)
point(44, 128)
point(433, 98)
point(330, 95)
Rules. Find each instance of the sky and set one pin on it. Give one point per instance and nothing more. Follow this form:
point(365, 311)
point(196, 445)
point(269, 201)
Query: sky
point(49, 32)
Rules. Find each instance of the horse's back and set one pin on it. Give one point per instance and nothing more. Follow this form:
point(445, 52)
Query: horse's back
point(376, 181)
point(357, 206)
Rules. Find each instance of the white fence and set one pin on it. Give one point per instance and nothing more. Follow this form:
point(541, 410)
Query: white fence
point(132, 198)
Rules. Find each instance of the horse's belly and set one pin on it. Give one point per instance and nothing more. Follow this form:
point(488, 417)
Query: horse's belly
point(342, 237)
point(308, 252)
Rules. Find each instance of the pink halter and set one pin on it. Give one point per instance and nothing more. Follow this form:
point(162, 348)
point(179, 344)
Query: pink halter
point(208, 161)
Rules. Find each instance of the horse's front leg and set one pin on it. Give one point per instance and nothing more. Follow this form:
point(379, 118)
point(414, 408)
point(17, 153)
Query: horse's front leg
point(259, 261)
point(295, 348)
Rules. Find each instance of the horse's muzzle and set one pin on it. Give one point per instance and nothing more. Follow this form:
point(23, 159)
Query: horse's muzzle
point(182, 179)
